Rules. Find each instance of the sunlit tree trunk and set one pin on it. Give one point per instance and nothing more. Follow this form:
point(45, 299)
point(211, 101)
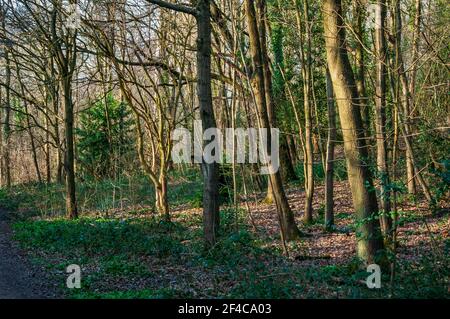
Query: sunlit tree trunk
point(329, 171)
point(380, 116)
point(289, 229)
point(286, 166)
point(369, 239)
point(305, 49)
point(66, 56)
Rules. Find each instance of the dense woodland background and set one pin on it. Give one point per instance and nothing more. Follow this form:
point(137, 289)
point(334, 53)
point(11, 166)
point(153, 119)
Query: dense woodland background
point(359, 90)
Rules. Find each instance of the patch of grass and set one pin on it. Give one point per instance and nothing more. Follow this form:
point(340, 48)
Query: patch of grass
point(89, 236)
point(231, 251)
point(123, 265)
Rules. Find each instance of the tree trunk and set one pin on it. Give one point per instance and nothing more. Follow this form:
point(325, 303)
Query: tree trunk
point(55, 94)
point(329, 172)
point(69, 160)
point(6, 167)
point(369, 239)
point(48, 172)
point(360, 67)
point(308, 158)
point(380, 117)
point(65, 52)
point(416, 43)
point(210, 171)
point(288, 227)
point(286, 165)
point(162, 204)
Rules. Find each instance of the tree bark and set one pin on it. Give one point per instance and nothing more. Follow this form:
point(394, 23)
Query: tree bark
point(380, 117)
point(69, 160)
point(360, 66)
point(66, 60)
point(329, 172)
point(6, 138)
point(210, 170)
point(369, 239)
point(308, 158)
point(288, 227)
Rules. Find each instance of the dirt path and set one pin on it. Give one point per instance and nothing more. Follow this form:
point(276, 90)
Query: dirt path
point(18, 279)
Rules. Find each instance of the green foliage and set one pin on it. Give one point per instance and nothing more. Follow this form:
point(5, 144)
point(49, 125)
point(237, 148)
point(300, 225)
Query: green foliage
point(19, 115)
point(441, 185)
point(164, 293)
point(100, 236)
point(103, 137)
point(6, 202)
point(229, 250)
point(117, 249)
point(123, 265)
point(259, 286)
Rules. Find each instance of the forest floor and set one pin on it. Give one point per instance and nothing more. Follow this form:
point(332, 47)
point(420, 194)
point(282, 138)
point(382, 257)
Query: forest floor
point(131, 253)
point(19, 278)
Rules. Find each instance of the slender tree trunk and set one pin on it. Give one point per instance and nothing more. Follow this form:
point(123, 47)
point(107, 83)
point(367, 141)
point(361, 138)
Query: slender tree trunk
point(66, 60)
point(308, 158)
point(69, 160)
point(6, 169)
point(329, 173)
point(369, 239)
point(288, 227)
point(416, 44)
point(286, 166)
point(360, 66)
point(162, 204)
point(55, 94)
point(48, 172)
point(210, 171)
point(380, 117)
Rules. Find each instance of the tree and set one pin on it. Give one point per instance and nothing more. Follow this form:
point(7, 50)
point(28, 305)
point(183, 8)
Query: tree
point(64, 48)
point(369, 240)
point(6, 132)
point(359, 15)
point(329, 171)
point(305, 51)
point(210, 171)
point(288, 227)
point(380, 116)
point(103, 138)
